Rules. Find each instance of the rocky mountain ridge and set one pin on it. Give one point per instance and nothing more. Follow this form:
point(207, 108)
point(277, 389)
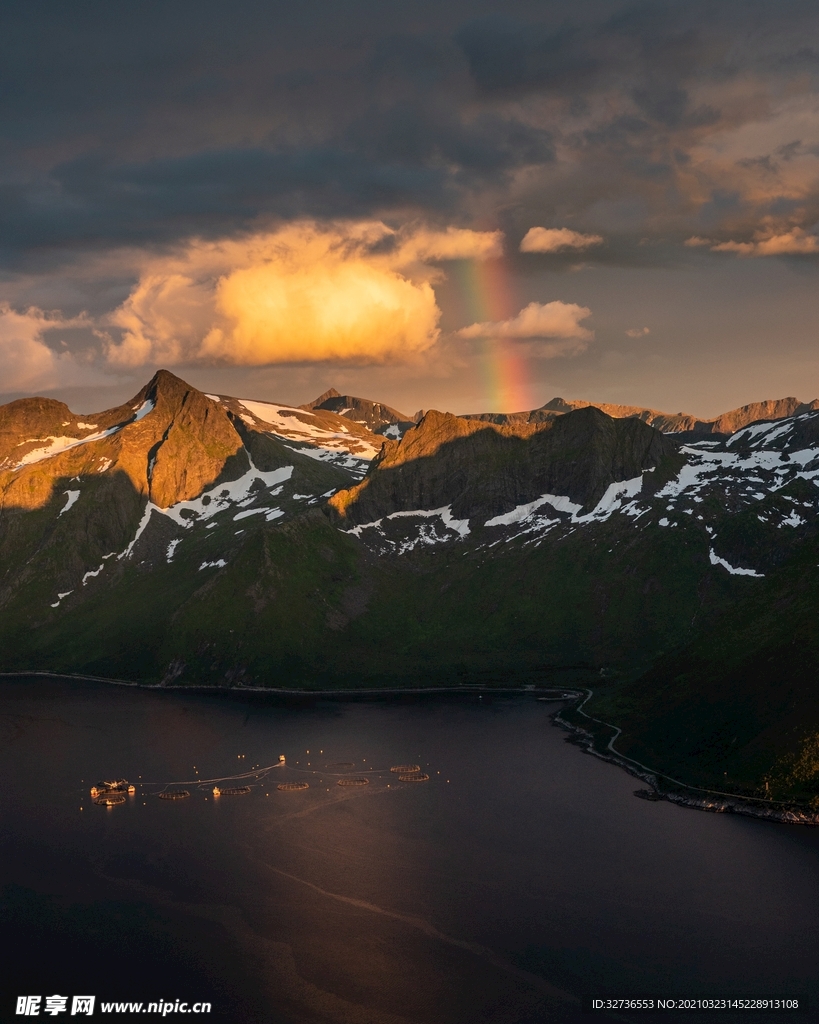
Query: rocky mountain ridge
point(191, 539)
point(680, 422)
point(479, 469)
point(379, 418)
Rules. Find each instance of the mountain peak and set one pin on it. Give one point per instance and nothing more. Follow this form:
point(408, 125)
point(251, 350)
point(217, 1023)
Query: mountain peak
point(332, 393)
point(165, 384)
point(375, 416)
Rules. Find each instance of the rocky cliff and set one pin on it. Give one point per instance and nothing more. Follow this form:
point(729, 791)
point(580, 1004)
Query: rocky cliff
point(482, 469)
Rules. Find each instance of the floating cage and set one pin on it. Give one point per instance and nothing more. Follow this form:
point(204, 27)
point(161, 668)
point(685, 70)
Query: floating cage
point(416, 777)
point(405, 769)
point(112, 786)
point(353, 782)
point(235, 791)
point(342, 765)
point(291, 787)
point(174, 794)
point(109, 799)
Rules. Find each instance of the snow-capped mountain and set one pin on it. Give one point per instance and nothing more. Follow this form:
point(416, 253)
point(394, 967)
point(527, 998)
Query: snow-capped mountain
point(763, 477)
point(187, 539)
point(379, 418)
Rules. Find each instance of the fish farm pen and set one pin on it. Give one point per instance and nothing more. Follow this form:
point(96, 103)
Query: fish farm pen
point(113, 792)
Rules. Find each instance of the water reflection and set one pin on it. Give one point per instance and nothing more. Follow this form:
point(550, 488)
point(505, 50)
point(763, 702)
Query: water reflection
point(520, 875)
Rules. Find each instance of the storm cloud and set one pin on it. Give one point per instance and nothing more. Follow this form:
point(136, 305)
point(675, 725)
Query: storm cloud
point(141, 125)
point(614, 132)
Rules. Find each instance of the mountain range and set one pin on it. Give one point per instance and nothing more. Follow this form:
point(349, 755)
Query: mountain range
point(668, 563)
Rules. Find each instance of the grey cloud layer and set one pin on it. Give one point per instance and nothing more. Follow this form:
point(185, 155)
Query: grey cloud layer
point(148, 123)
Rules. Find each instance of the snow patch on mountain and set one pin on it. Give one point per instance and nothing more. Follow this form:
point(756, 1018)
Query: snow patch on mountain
point(220, 563)
point(217, 499)
point(357, 466)
point(58, 445)
point(92, 572)
point(72, 497)
point(304, 433)
point(522, 513)
point(611, 502)
point(222, 496)
point(253, 512)
point(757, 432)
point(298, 424)
point(769, 467)
point(428, 533)
point(147, 406)
point(734, 570)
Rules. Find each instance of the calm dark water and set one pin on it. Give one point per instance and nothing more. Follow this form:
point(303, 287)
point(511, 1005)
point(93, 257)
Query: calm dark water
point(522, 875)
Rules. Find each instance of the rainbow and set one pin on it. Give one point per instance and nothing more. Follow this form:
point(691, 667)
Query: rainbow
point(488, 293)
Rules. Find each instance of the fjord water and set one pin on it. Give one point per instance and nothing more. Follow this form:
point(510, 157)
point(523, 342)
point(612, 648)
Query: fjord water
point(522, 875)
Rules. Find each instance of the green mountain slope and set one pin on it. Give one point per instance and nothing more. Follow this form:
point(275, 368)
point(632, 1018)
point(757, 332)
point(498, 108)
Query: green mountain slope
point(185, 539)
point(739, 704)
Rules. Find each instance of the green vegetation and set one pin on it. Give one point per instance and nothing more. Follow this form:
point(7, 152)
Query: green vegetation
point(710, 675)
point(304, 605)
point(739, 704)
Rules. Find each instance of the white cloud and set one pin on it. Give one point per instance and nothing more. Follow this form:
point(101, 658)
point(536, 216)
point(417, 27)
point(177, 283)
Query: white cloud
point(26, 362)
point(638, 332)
point(537, 320)
point(557, 240)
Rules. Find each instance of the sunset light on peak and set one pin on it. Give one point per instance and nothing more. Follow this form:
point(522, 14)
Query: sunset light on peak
point(390, 392)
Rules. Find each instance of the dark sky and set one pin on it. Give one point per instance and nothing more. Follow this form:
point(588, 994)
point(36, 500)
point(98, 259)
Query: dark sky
point(263, 197)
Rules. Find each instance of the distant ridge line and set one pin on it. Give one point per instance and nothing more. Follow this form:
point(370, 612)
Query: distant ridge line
point(726, 423)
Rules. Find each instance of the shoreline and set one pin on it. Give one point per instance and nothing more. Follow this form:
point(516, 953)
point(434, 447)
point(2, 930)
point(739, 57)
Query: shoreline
point(561, 693)
point(729, 803)
point(778, 811)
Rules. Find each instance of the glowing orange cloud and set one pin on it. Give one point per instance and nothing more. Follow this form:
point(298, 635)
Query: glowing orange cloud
point(306, 292)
